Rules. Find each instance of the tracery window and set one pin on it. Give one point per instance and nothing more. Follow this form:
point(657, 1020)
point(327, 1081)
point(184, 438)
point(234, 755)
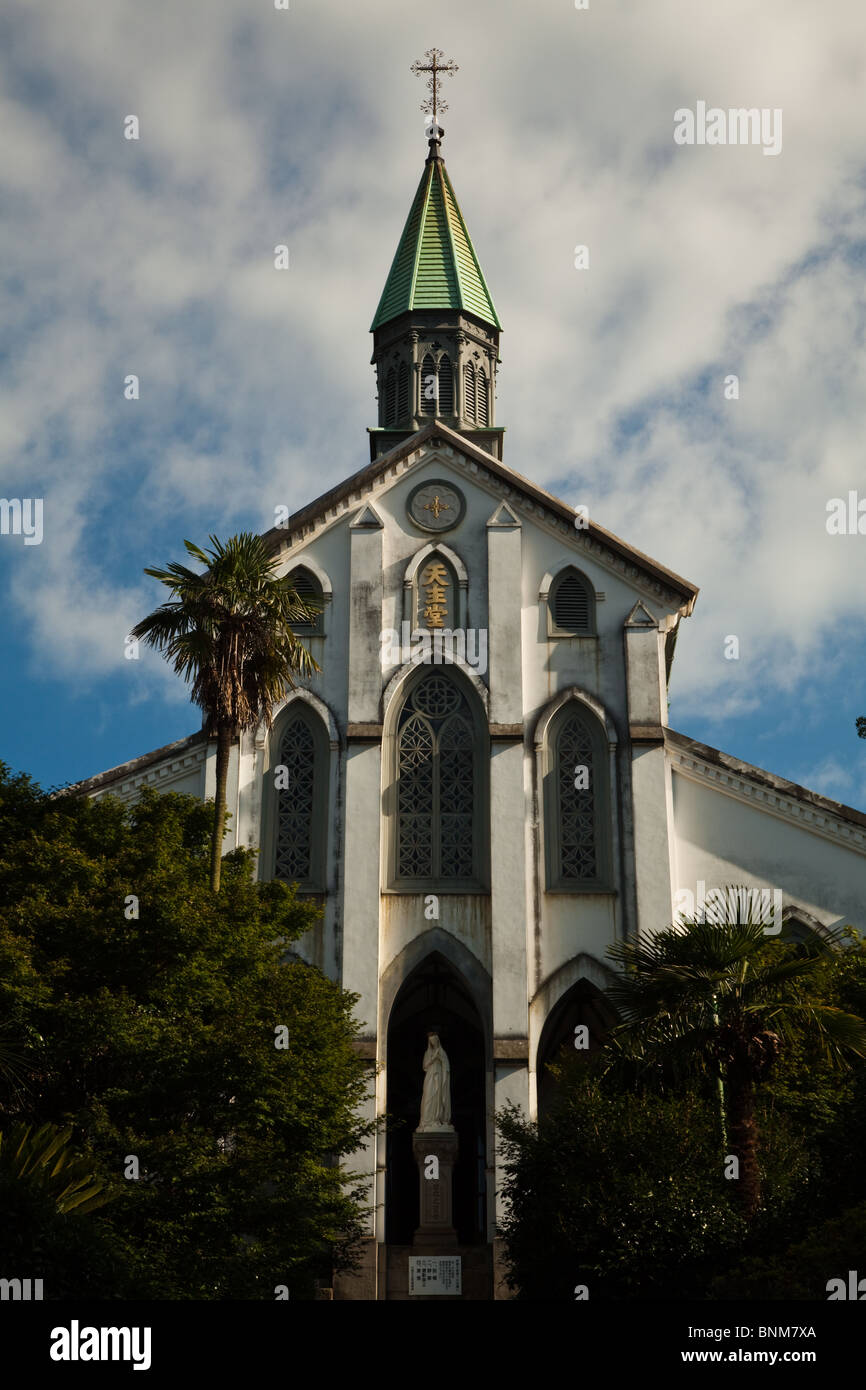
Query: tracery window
point(576, 803)
point(437, 776)
point(299, 777)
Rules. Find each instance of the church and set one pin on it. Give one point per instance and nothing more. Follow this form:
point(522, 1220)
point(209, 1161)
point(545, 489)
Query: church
point(481, 787)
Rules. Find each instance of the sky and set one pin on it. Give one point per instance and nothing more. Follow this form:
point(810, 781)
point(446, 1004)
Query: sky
point(302, 126)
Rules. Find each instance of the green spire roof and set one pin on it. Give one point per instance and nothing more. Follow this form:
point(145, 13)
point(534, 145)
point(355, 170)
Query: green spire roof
point(435, 266)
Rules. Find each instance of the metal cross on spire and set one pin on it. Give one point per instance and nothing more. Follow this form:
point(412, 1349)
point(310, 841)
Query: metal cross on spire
point(435, 67)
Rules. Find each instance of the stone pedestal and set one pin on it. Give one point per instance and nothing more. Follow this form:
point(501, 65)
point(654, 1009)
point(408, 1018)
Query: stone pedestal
point(436, 1231)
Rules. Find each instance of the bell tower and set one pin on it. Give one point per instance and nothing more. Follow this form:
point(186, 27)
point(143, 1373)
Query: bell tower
point(435, 332)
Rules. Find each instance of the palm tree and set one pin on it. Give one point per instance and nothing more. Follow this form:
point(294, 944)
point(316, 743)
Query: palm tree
point(45, 1159)
point(229, 630)
point(719, 999)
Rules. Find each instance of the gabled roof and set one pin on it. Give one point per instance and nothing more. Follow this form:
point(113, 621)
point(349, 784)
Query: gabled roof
point(727, 763)
point(435, 266)
point(89, 785)
point(515, 482)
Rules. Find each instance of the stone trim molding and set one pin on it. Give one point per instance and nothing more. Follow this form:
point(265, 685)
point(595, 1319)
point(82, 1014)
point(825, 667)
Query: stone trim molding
point(300, 561)
point(573, 692)
point(646, 733)
point(156, 775)
point(126, 771)
point(403, 673)
point(797, 805)
point(315, 702)
point(364, 733)
point(148, 770)
point(436, 441)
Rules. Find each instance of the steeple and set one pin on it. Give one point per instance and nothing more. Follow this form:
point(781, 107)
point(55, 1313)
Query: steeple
point(436, 331)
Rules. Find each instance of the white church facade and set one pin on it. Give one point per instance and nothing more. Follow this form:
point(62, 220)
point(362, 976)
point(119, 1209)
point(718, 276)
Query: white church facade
point(484, 792)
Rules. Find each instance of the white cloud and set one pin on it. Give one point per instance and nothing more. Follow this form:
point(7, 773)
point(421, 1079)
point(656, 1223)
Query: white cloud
point(259, 127)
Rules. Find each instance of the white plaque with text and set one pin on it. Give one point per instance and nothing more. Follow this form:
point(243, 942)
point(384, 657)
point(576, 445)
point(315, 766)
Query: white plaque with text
point(435, 1274)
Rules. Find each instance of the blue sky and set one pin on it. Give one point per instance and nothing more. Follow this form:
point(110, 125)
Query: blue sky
point(303, 127)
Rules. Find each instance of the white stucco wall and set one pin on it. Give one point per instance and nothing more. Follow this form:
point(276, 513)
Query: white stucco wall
point(723, 839)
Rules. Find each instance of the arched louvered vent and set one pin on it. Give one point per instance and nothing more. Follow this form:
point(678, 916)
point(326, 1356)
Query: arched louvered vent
point(482, 412)
point(390, 396)
point(403, 391)
point(446, 386)
point(429, 386)
point(469, 391)
point(571, 604)
point(307, 588)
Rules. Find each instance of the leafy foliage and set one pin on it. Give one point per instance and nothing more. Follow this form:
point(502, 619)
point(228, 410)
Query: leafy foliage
point(228, 629)
point(725, 999)
point(618, 1185)
point(44, 1158)
point(620, 1191)
point(154, 1037)
point(802, 1270)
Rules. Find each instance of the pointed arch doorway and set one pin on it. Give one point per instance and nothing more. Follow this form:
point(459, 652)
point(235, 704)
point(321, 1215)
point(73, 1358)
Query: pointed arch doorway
point(435, 998)
point(583, 1004)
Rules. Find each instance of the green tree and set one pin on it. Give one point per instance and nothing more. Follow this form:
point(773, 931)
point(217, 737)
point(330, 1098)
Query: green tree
point(615, 1189)
point(724, 999)
point(149, 1011)
point(801, 1269)
point(820, 1101)
point(228, 630)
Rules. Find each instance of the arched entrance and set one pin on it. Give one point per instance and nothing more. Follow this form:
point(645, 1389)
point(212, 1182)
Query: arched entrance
point(582, 1004)
point(435, 998)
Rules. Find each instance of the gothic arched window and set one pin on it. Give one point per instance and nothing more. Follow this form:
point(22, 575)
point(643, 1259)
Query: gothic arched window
point(390, 396)
point(403, 391)
point(576, 803)
point(438, 788)
point(571, 605)
point(582, 1007)
point(446, 385)
point(469, 391)
point(482, 413)
point(429, 386)
point(308, 588)
point(299, 776)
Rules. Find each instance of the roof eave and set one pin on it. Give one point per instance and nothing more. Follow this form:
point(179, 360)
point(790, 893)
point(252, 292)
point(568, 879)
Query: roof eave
point(435, 427)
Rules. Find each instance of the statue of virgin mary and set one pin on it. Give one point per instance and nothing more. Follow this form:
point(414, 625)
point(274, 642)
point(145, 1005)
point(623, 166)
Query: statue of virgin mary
point(436, 1096)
